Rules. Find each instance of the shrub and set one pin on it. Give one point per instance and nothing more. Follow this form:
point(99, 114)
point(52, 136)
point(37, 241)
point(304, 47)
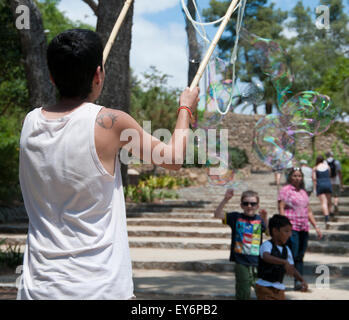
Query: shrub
point(345, 171)
point(238, 158)
point(146, 190)
point(11, 257)
point(9, 160)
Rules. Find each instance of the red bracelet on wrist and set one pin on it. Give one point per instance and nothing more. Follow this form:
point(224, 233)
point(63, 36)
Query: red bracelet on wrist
point(186, 108)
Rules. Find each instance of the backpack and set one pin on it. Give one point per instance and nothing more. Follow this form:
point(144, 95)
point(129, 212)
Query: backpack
point(333, 168)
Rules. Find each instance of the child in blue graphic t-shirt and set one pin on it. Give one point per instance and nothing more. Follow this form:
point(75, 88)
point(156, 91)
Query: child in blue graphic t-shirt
point(247, 229)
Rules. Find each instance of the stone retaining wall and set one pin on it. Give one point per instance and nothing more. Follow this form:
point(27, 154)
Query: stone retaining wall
point(241, 129)
point(241, 134)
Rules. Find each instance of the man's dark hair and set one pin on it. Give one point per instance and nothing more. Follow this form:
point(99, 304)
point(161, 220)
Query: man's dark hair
point(278, 221)
point(73, 57)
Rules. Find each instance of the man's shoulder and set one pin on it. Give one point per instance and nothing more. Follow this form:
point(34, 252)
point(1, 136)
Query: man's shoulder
point(105, 110)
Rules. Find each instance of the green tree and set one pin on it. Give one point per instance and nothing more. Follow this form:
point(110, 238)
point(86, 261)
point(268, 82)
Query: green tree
point(13, 86)
point(152, 99)
point(14, 94)
point(336, 84)
point(56, 21)
point(314, 51)
point(260, 19)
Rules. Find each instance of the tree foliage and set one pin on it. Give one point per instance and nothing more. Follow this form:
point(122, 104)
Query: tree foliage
point(55, 21)
point(13, 86)
point(315, 55)
point(336, 84)
point(152, 99)
point(260, 19)
point(14, 95)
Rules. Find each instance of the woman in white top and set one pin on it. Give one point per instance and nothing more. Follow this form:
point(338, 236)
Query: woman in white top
point(322, 185)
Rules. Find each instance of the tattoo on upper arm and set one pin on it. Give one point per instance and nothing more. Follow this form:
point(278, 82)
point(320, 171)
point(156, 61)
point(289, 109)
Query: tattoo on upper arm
point(107, 120)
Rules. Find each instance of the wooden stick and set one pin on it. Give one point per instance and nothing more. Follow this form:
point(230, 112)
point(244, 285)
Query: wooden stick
point(116, 29)
point(213, 45)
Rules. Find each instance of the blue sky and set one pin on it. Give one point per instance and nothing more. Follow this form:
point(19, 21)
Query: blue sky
point(159, 36)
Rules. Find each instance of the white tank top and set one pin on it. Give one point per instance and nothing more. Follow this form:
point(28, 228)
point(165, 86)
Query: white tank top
point(77, 244)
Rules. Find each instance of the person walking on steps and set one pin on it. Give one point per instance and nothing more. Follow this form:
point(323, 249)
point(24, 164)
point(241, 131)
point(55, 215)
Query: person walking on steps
point(294, 204)
point(323, 186)
point(336, 181)
point(247, 228)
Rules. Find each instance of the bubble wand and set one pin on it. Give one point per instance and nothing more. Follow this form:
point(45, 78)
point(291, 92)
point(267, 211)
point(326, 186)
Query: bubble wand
point(116, 29)
point(233, 5)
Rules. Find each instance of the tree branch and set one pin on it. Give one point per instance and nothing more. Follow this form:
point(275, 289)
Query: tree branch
point(93, 5)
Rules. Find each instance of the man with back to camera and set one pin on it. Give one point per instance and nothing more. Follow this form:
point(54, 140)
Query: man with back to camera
point(77, 244)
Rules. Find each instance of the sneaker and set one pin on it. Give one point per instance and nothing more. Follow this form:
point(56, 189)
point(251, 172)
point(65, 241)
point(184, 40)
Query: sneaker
point(336, 209)
point(297, 286)
point(327, 227)
point(333, 217)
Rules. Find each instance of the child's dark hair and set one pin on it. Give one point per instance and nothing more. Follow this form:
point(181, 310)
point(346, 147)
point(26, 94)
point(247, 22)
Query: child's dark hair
point(249, 193)
point(278, 221)
point(73, 57)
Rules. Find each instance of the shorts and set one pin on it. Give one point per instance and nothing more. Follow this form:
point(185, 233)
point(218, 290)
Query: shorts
point(269, 293)
point(335, 190)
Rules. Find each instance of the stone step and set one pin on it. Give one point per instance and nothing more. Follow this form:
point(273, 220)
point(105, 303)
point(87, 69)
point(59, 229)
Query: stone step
point(236, 207)
point(206, 215)
point(213, 223)
point(171, 215)
point(169, 232)
point(14, 228)
point(330, 247)
point(218, 260)
point(194, 232)
point(174, 222)
point(169, 226)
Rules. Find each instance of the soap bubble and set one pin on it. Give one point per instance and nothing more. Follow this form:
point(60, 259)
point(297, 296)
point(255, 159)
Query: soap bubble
point(220, 172)
point(220, 86)
point(272, 142)
point(269, 56)
point(251, 93)
point(216, 100)
point(310, 113)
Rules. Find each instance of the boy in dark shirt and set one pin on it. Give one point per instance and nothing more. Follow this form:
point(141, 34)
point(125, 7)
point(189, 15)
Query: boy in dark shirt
point(247, 228)
point(275, 261)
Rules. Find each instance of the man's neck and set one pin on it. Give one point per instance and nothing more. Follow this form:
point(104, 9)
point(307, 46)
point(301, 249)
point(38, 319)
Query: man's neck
point(67, 104)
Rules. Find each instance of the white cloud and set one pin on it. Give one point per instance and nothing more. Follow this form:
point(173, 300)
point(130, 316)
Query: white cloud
point(288, 33)
point(153, 6)
point(163, 47)
point(78, 10)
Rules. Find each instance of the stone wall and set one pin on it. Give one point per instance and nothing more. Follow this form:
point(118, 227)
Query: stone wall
point(241, 129)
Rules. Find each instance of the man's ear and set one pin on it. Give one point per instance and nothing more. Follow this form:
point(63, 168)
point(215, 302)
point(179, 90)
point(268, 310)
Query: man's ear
point(52, 81)
point(98, 75)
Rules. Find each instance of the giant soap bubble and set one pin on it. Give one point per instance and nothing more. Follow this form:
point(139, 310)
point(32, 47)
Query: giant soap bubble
point(309, 112)
point(272, 142)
